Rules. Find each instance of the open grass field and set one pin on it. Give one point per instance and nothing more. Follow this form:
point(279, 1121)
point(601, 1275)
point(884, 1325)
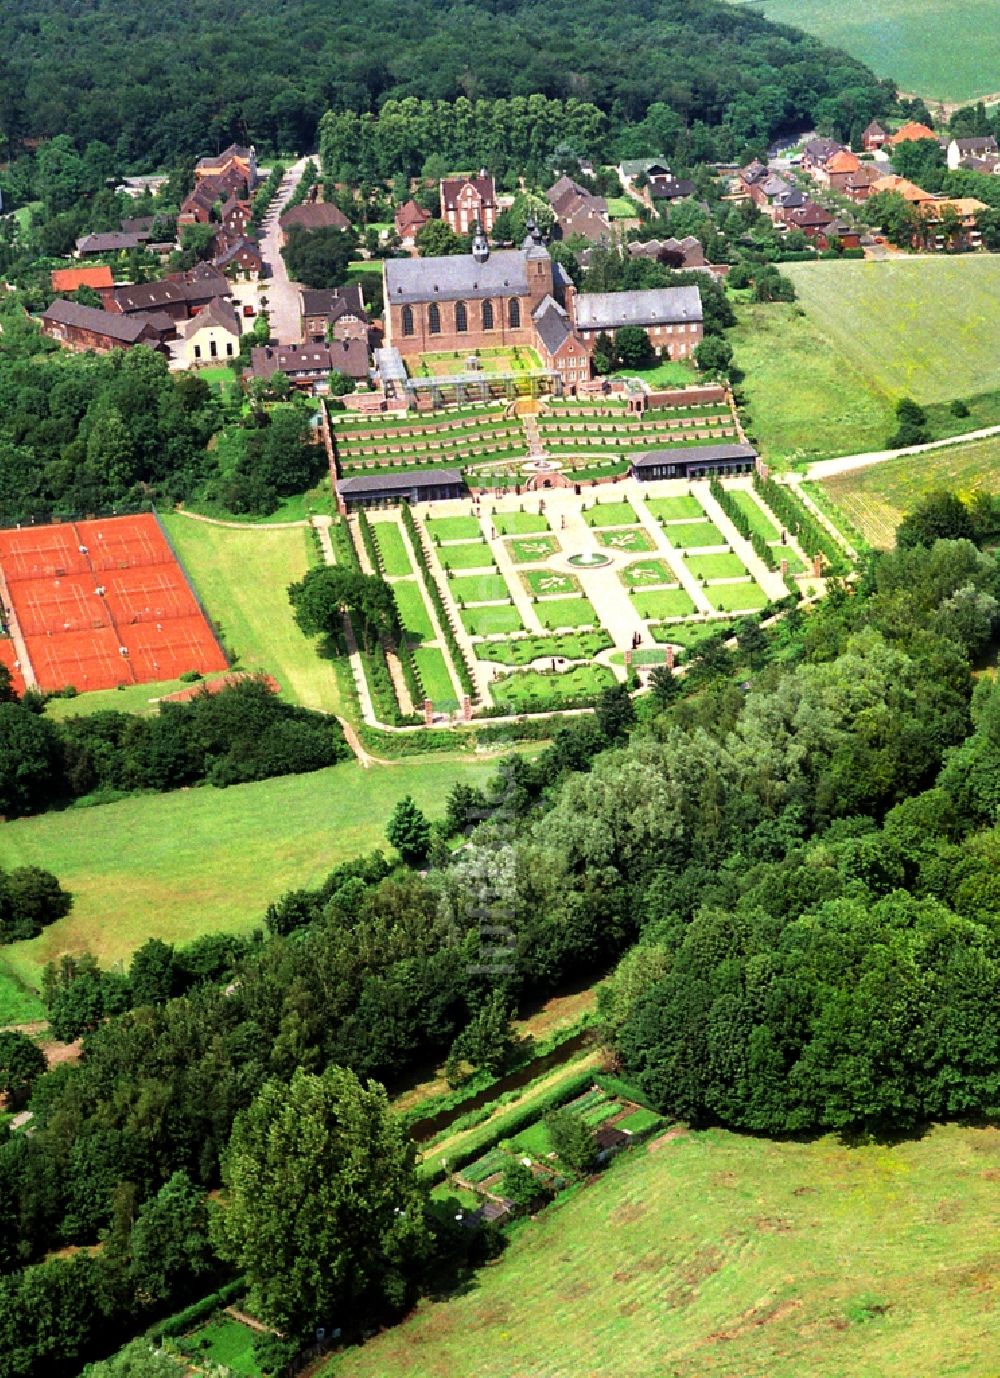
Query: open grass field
point(932, 48)
point(759, 521)
point(874, 500)
point(177, 865)
point(621, 208)
point(18, 1004)
point(242, 578)
point(724, 566)
point(658, 604)
point(928, 328)
point(669, 373)
point(717, 1255)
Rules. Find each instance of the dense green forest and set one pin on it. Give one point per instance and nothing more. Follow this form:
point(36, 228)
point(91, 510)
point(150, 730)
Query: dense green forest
point(803, 842)
point(186, 77)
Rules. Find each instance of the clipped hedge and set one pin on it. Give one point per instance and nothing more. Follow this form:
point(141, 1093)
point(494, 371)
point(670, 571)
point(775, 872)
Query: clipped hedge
point(458, 658)
point(183, 1321)
point(792, 513)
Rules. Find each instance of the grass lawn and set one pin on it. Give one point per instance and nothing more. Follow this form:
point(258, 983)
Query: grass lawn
point(808, 400)
point(229, 1343)
point(690, 635)
point(466, 555)
point(177, 865)
point(522, 650)
point(694, 535)
point(546, 582)
point(668, 373)
point(643, 572)
point(659, 604)
point(727, 566)
point(933, 48)
point(534, 1141)
point(634, 541)
point(639, 1121)
point(755, 514)
point(519, 523)
point(130, 698)
point(18, 1004)
point(448, 1191)
point(479, 588)
point(749, 597)
point(785, 552)
point(519, 359)
point(389, 540)
point(492, 619)
point(521, 689)
point(242, 577)
point(611, 514)
point(927, 328)
point(566, 612)
point(434, 677)
point(526, 552)
point(719, 1255)
point(621, 208)
point(875, 500)
point(413, 612)
point(683, 508)
point(454, 529)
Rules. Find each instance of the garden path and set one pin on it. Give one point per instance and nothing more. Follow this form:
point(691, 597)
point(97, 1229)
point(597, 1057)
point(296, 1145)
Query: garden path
point(673, 557)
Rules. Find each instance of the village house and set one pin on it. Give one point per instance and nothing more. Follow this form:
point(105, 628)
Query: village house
point(963, 231)
point(409, 220)
point(98, 279)
point(981, 149)
point(308, 366)
point(910, 133)
point(668, 189)
point(238, 256)
point(819, 151)
point(874, 137)
point(86, 328)
point(212, 335)
point(334, 313)
point(631, 170)
point(671, 317)
point(469, 201)
point(109, 242)
point(685, 253)
point(236, 158)
point(909, 191)
point(578, 213)
point(811, 219)
point(235, 216)
point(179, 295)
point(313, 215)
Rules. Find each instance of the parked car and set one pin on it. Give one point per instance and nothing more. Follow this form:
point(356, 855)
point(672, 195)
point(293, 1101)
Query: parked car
point(249, 309)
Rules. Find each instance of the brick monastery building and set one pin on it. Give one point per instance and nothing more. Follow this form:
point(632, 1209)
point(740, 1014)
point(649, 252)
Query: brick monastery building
point(519, 297)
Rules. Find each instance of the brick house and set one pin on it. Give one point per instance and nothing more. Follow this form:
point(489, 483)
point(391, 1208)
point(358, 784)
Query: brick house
point(874, 137)
point(308, 366)
point(83, 328)
point(236, 158)
point(560, 348)
point(179, 295)
point(468, 201)
point(671, 317)
point(98, 278)
point(108, 242)
point(910, 133)
point(409, 220)
point(313, 215)
point(839, 165)
point(339, 311)
point(819, 151)
point(235, 215)
point(810, 219)
point(981, 149)
point(238, 256)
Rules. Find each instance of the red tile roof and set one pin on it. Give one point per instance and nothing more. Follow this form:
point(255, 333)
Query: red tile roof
point(70, 279)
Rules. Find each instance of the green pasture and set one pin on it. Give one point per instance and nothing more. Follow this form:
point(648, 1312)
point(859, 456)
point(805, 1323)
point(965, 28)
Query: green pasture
point(479, 588)
point(557, 613)
point(526, 552)
point(685, 507)
point(18, 1003)
point(519, 523)
point(694, 535)
point(491, 619)
point(242, 576)
point(657, 605)
point(725, 566)
point(932, 48)
point(719, 1254)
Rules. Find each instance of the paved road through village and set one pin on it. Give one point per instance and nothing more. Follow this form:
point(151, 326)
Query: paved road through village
point(282, 294)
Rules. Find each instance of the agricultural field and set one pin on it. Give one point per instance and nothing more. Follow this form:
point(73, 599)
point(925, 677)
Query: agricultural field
point(932, 48)
point(874, 500)
point(175, 866)
point(242, 577)
point(714, 1254)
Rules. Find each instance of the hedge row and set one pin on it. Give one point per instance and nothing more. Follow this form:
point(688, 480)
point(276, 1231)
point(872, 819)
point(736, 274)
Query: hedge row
point(790, 511)
point(461, 664)
point(740, 520)
point(198, 1311)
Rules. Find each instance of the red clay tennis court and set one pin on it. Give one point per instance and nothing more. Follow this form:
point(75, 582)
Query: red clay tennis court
point(8, 657)
point(103, 602)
